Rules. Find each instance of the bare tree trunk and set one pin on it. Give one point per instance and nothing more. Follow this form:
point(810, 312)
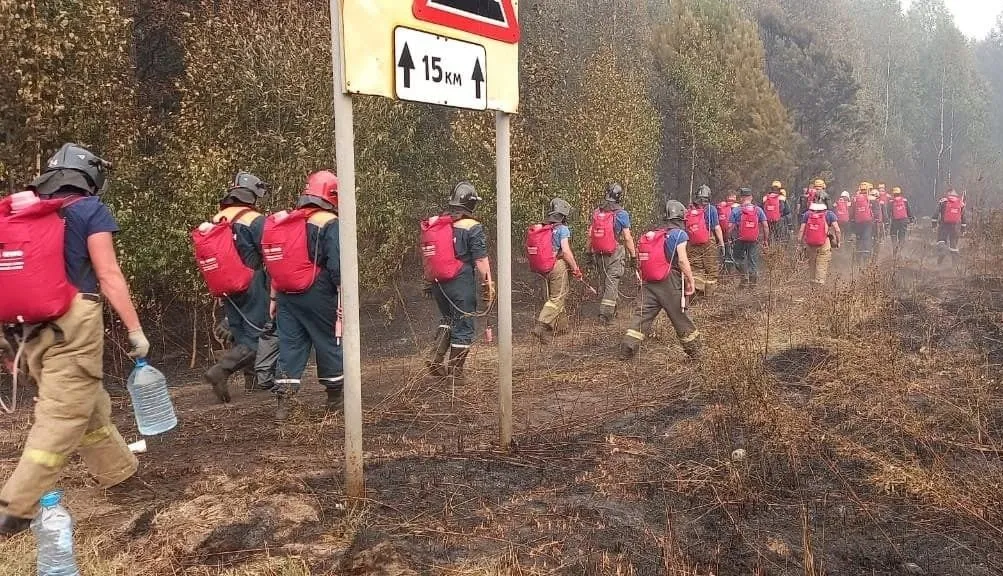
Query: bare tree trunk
point(940, 153)
point(888, 98)
point(693, 158)
point(950, 145)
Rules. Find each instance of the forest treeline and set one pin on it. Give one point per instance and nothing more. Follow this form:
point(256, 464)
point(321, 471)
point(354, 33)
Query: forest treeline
point(662, 96)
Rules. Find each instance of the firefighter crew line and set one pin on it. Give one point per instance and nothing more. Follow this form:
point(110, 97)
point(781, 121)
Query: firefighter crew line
point(278, 278)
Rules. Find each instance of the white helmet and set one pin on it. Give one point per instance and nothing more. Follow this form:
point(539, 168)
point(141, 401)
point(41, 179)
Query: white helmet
point(845, 194)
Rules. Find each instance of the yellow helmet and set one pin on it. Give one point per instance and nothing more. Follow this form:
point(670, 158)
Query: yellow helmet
point(881, 185)
point(776, 184)
point(896, 191)
point(819, 183)
point(865, 186)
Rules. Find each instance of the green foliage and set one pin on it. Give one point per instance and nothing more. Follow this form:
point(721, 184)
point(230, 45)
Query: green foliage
point(662, 96)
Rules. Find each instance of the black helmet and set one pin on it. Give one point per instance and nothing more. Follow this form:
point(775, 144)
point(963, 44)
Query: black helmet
point(744, 191)
point(72, 165)
point(703, 194)
point(823, 198)
point(614, 192)
point(245, 188)
point(559, 207)
point(674, 210)
point(464, 197)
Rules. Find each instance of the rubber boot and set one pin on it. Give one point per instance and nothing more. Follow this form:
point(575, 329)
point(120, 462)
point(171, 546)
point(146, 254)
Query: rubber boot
point(218, 376)
point(11, 525)
point(437, 363)
point(335, 398)
point(281, 408)
point(627, 352)
point(457, 358)
point(542, 332)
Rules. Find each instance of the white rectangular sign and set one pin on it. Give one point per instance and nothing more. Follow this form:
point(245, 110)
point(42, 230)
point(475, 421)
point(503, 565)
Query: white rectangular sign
point(439, 70)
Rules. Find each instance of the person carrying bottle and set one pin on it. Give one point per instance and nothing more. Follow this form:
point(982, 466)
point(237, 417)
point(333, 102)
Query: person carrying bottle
point(72, 244)
point(611, 248)
point(303, 258)
point(549, 246)
point(666, 279)
point(455, 251)
point(749, 226)
point(234, 271)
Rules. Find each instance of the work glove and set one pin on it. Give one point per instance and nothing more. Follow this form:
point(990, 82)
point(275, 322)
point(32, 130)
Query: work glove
point(488, 291)
point(578, 274)
point(222, 331)
point(426, 289)
point(721, 251)
point(140, 345)
point(632, 262)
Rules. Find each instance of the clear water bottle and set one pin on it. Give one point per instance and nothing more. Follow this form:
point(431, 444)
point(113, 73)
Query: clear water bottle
point(53, 528)
point(151, 401)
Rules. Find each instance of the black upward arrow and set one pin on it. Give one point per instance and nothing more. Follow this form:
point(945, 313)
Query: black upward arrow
point(478, 77)
point(407, 64)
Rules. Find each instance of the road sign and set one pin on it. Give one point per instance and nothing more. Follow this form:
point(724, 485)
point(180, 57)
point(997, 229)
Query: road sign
point(439, 70)
point(493, 19)
point(372, 55)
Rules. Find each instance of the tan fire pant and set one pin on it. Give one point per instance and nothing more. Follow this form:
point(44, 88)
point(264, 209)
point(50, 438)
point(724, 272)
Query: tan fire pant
point(818, 261)
point(705, 265)
point(73, 413)
point(558, 287)
point(652, 299)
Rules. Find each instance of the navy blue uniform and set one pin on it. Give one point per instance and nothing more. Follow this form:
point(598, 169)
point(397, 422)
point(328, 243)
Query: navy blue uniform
point(307, 320)
point(457, 299)
point(247, 313)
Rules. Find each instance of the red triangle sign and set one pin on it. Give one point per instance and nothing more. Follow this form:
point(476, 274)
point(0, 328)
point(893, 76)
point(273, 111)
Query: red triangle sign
point(493, 19)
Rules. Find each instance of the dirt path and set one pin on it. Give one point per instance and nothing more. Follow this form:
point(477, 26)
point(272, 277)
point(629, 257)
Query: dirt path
point(871, 452)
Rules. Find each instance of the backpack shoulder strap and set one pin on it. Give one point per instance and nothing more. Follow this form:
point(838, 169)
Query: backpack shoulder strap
point(465, 223)
point(321, 218)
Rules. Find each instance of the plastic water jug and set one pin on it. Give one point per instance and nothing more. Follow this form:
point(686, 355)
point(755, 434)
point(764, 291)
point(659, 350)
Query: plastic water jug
point(151, 401)
point(53, 528)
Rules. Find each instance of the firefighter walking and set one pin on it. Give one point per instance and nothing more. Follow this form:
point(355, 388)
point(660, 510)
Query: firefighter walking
point(666, 280)
point(778, 213)
point(705, 246)
point(233, 268)
point(302, 256)
point(749, 225)
point(819, 233)
point(611, 248)
point(550, 255)
point(455, 252)
point(724, 210)
point(60, 326)
point(950, 220)
point(862, 211)
point(901, 217)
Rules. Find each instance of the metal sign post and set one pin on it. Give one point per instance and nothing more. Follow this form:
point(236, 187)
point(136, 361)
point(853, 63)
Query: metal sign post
point(344, 135)
point(503, 184)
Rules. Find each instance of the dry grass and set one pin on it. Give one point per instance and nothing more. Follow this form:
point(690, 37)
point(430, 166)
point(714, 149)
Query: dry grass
point(869, 413)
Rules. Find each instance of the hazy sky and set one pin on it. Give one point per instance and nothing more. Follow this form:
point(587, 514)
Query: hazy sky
point(974, 17)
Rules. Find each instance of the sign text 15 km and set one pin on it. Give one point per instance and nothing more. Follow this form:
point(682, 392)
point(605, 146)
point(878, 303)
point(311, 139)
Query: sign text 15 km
point(439, 70)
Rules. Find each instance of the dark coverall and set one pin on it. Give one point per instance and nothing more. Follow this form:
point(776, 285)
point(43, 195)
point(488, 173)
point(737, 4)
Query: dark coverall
point(247, 313)
point(863, 232)
point(307, 320)
point(457, 298)
point(665, 295)
point(900, 226)
point(948, 235)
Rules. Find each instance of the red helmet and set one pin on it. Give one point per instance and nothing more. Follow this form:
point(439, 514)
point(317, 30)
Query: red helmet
point(323, 185)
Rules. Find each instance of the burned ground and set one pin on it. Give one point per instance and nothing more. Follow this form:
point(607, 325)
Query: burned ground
point(868, 414)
